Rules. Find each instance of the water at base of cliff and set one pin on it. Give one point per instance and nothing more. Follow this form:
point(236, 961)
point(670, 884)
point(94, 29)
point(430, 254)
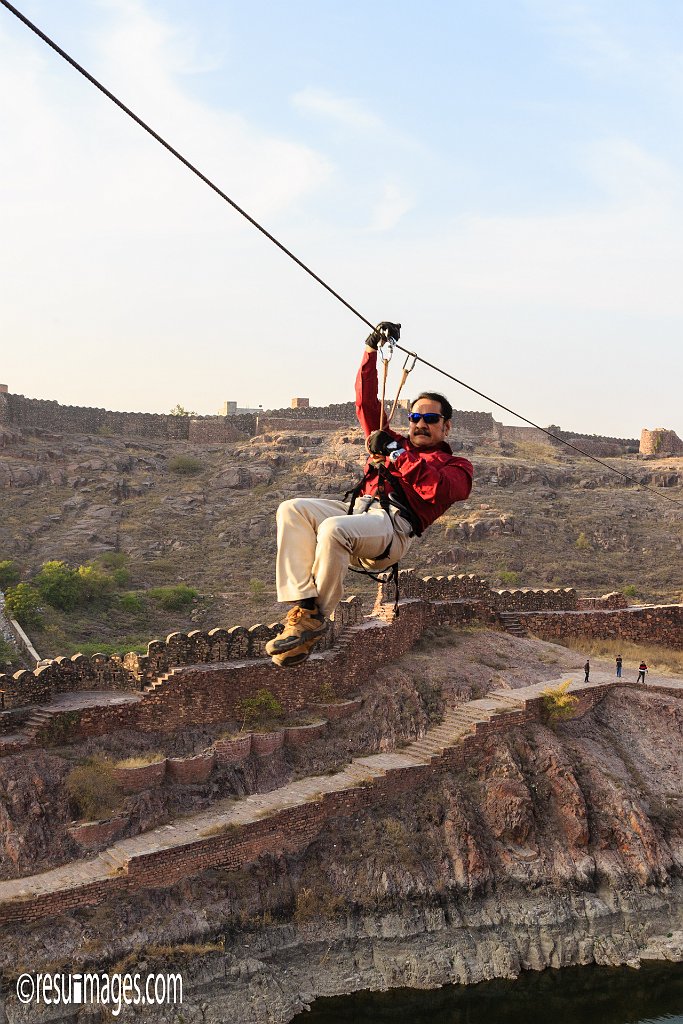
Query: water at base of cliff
point(573, 995)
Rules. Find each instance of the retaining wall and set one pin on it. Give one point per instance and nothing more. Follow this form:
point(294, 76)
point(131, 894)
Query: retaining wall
point(662, 624)
point(290, 830)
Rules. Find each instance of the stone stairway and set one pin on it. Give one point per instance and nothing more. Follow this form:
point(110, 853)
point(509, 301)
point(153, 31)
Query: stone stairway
point(35, 722)
point(157, 683)
point(511, 624)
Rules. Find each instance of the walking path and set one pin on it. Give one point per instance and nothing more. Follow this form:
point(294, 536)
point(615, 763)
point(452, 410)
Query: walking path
point(41, 714)
point(362, 771)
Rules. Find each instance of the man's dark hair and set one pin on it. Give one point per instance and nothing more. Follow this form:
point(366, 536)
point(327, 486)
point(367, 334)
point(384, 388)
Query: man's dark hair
point(434, 396)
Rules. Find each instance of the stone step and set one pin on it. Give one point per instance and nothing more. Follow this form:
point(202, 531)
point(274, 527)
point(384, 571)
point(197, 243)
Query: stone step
point(468, 718)
point(514, 702)
point(422, 750)
point(113, 860)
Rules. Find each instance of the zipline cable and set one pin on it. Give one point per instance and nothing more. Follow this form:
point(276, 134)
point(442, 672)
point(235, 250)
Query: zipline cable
point(207, 181)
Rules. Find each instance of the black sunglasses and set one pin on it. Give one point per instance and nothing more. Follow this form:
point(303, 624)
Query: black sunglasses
point(428, 417)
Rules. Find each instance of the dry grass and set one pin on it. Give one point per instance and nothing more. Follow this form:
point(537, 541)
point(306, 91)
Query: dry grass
point(221, 828)
point(663, 661)
point(142, 761)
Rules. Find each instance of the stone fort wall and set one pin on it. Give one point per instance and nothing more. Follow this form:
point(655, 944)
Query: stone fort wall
point(42, 414)
point(48, 415)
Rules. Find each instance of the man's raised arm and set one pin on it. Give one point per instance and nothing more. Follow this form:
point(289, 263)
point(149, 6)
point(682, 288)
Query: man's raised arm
point(368, 405)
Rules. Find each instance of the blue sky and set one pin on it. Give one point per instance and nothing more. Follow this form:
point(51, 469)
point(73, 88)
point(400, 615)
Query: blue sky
point(505, 178)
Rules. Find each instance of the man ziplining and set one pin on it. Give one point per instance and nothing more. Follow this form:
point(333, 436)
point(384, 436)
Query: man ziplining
point(409, 482)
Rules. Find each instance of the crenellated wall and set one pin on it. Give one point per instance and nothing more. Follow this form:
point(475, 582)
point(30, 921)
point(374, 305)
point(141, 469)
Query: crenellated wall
point(210, 694)
point(468, 587)
point(535, 600)
point(134, 671)
point(43, 414)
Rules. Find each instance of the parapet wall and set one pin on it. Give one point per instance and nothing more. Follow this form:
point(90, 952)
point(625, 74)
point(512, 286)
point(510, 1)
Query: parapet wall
point(662, 624)
point(472, 589)
point(210, 694)
point(134, 671)
point(597, 444)
point(660, 442)
point(605, 603)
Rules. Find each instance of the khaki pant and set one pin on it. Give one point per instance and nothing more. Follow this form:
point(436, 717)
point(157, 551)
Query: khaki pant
point(317, 540)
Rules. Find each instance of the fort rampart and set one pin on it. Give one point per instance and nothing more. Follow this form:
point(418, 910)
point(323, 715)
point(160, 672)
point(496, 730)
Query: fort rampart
point(48, 415)
point(18, 411)
point(288, 829)
point(191, 668)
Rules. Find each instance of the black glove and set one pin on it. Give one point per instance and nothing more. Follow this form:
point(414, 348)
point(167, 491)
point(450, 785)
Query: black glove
point(379, 442)
point(381, 332)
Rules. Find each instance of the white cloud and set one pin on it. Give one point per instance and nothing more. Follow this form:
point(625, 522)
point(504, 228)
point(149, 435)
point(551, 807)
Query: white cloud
point(595, 45)
point(69, 141)
point(393, 204)
point(342, 111)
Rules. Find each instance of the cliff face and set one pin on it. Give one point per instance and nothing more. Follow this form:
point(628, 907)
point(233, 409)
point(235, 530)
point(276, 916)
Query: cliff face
point(550, 848)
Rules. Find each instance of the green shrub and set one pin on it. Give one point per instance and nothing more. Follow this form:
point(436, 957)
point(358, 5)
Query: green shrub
point(93, 789)
point(257, 589)
point(9, 574)
point(23, 604)
point(629, 591)
point(131, 602)
point(508, 578)
point(178, 410)
point(120, 577)
point(93, 585)
point(185, 465)
point(260, 711)
point(173, 599)
point(583, 543)
point(58, 585)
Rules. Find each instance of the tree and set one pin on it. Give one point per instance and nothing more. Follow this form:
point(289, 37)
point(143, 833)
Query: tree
point(58, 585)
point(23, 604)
point(178, 410)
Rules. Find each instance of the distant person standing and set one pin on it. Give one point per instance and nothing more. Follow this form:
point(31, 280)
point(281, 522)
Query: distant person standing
point(642, 669)
point(587, 670)
point(618, 666)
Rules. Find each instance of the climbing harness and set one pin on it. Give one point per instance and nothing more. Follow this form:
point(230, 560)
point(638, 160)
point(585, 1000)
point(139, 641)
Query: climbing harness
point(390, 493)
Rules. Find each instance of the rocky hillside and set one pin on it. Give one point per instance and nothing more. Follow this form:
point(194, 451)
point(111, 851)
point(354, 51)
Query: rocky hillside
point(204, 515)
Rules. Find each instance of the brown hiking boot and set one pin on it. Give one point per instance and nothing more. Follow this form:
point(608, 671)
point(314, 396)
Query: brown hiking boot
point(301, 625)
point(296, 655)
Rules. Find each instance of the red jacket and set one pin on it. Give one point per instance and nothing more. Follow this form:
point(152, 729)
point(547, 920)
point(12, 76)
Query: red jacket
point(431, 480)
